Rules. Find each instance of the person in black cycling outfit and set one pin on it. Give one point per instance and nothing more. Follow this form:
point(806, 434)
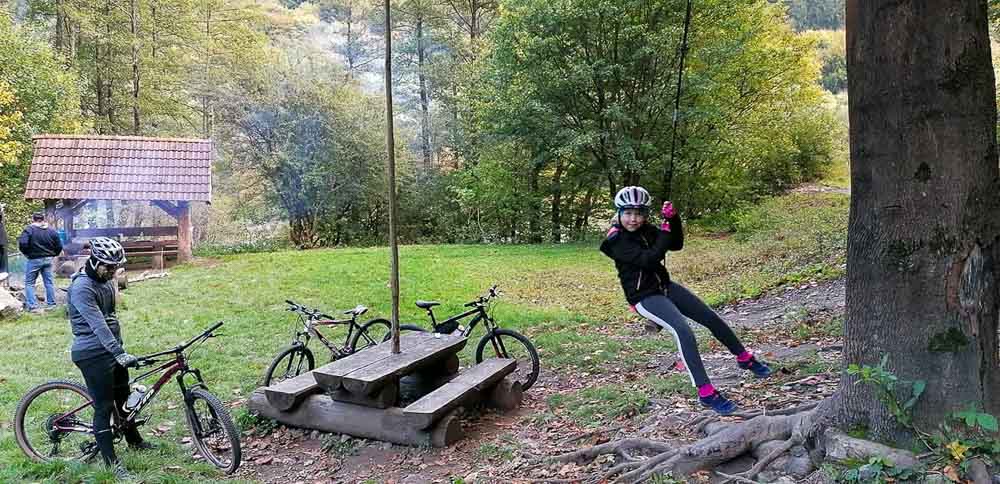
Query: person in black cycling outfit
point(638, 249)
point(97, 346)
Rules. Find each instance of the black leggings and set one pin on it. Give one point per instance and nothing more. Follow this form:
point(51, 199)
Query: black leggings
point(107, 383)
point(668, 310)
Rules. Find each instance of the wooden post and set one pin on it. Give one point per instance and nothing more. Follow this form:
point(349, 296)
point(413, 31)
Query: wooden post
point(390, 168)
point(50, 212)
point(185, 234)
point(67, 217)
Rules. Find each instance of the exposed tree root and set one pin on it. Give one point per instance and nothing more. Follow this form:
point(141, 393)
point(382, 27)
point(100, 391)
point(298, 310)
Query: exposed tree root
point(793, 426)
point(767, 436)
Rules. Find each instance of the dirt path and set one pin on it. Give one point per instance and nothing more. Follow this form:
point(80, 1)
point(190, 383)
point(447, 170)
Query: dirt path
point(782, 326)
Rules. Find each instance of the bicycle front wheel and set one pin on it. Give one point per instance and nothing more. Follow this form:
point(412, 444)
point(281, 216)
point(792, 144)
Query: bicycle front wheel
point(213, 431)
point(290, 363)
point(506, 343)
point(53, 421)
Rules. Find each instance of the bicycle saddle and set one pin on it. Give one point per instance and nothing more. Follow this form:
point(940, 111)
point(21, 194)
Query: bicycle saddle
point(427, 304)
point(357, 311)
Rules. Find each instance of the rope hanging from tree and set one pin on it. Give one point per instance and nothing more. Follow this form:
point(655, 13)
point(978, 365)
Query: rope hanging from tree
point(669, 174)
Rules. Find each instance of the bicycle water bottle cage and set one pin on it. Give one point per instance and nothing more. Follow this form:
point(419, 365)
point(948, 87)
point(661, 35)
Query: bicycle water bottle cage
point(427, 304)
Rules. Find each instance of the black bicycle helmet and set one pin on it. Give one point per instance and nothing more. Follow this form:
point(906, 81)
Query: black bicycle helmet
point(108, 251)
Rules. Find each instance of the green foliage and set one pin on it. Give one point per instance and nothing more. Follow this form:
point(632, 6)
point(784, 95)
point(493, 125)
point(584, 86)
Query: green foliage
point(968, 434)
point(877, 470)
point(816, 14)
point(889, 387)
point(571, 102)
point(975, 419)
point(340, 445)
point(249, 421)
point(37, 95)
point(315, 143)
point(831, 48)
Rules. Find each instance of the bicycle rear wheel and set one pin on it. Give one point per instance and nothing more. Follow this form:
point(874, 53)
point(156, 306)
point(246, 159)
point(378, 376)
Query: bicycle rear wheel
point(213, 431)
point(506, 343)
point(290, 363)
point(53, 421)
point(371, 333)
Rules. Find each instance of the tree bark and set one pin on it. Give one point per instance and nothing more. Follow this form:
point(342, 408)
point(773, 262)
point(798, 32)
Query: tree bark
point(557, 202)
point(535, 206)
point(134, 19)
point(425, 115)
point(923, 228)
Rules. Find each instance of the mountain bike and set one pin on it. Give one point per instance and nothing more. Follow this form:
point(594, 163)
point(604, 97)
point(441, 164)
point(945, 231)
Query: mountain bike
point(503, 343)
point(53, 421)
point(297, 358)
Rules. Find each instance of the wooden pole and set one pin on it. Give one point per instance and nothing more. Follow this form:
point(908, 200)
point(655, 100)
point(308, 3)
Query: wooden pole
point(185, 232)
point(390, 169)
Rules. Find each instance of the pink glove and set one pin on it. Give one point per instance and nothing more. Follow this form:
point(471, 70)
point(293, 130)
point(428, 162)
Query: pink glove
point(613, 230)
point(668, 210)
point(668, 213)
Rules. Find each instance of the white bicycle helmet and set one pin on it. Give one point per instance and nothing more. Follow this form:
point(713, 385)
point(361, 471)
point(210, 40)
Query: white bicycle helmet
point(632, 197)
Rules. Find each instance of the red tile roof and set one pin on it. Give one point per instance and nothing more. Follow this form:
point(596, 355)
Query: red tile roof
point(120, 168)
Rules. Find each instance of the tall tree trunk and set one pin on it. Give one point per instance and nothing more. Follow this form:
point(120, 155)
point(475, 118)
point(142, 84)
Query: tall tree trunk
point(350, 41)
point(60, 36)
point(557, 202)
point(425, 115)
point(107, 59)
point(922, 276)
point(534, 205)
point(206, 128)
point(134, 18)
point(99, 87)
point(584, 215)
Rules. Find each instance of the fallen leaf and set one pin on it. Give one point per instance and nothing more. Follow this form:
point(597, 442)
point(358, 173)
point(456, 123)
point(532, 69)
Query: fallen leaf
point(951, 474)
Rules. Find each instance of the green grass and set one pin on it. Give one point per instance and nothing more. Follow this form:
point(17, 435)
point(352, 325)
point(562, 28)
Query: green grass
point(591, 406)
point(566, 298)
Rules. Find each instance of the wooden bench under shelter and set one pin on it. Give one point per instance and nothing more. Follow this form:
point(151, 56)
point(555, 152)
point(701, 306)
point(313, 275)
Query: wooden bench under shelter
point(360, 395)
point(71, 172)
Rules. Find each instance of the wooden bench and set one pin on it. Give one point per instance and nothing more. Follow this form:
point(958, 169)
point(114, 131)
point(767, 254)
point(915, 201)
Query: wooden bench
point(287, 394)
point(431, 420)
point(459, 390)
point(156, 250)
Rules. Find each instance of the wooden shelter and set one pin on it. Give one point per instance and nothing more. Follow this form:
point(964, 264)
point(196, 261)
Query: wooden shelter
point(70, 171)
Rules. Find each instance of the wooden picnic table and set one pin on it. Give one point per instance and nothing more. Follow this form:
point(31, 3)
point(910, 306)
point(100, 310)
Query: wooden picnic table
point(359, 394)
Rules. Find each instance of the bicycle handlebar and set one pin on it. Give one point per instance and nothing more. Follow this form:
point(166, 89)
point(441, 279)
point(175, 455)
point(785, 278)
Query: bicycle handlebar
point(144, 360)
point(492, 293)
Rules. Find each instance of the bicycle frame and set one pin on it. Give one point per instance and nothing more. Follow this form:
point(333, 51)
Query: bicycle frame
point(479, 311)
point(312, 321)
point(175, 366)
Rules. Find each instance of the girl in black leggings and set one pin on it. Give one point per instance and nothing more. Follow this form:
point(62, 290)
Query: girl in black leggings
point(638, 249)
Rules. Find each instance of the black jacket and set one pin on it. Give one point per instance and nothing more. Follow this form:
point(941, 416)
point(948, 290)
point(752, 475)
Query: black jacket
point(39, 240)
point(639, 257)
